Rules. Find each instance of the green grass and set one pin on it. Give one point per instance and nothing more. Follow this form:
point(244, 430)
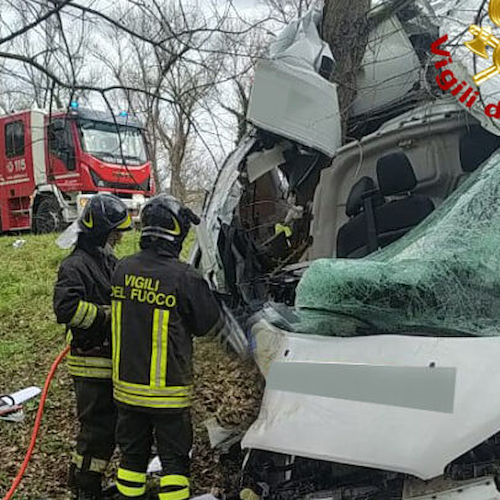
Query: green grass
point(29, 341)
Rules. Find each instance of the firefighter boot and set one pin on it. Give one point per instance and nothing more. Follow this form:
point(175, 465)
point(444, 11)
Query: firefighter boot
point(87, 495)
point(85, 485)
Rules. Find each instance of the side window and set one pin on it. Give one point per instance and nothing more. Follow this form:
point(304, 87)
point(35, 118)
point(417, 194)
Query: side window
point(476, 146)
point(14, 139)
point(61, 142)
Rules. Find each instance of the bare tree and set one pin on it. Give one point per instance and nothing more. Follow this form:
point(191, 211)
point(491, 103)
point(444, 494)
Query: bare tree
point(345, 29)
point(47, 44)
point(176, 71)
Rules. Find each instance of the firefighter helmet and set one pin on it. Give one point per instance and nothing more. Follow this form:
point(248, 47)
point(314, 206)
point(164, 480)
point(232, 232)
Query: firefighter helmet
point(166, 218)
point(103, 214)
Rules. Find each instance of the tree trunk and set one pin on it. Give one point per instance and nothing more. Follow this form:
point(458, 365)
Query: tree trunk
point(345, 29)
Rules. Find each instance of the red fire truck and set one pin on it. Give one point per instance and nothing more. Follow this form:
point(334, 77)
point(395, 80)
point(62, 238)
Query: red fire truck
point(50, 165)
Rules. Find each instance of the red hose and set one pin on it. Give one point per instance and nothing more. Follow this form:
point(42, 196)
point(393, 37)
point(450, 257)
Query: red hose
point(36, 426)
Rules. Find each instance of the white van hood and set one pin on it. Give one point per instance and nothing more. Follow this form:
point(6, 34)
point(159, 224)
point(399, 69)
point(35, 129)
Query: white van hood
point(398, 403)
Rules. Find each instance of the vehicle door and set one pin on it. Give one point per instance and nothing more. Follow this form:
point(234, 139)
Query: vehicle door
point(63, 168)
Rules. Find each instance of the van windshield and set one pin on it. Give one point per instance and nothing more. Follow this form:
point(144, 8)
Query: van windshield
point(102, 140)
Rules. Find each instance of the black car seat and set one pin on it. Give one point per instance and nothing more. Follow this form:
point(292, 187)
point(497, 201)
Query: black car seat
point(358, 237)
point(374, 222)
point(394, 219)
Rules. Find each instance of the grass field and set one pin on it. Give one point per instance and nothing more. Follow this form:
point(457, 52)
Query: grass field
point(29, 341)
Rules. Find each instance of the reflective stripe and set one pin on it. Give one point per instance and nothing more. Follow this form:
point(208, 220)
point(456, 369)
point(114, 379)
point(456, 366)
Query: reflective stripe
point(84, 366)
point(116, 318)
point(96, 464)
point(131, 491)
point(158, 368)
point(151, 402)
point(84, 316)
point(175, 495)
point(145, 390)
point(162, 375)
point(89, 318)
point(132, 476)
point(87, 361)
point(126, 223)
point(80, 311)
point(174, 480)
point(154, 346)
point(89, 372)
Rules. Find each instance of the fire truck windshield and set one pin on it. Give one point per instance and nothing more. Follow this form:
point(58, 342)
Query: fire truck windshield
point(102, 140)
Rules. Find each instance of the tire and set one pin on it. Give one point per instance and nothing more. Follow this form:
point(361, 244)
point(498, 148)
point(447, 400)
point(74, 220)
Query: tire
point(48, 217)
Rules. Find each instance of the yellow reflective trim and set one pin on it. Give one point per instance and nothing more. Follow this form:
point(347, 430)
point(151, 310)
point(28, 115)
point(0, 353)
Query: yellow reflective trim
point(281, 228)
point(175, 495)
point(176, 231)
point(77, 460)
point(96, 464)
point(126, 223)
point(69, 337)
point(159, 346)
point(130, 491)
point(118, 335)
point(164, 350)
point(130, 475)
point(146, 390)
point(174, 480)
point(89, 317)
point(151, 402)
point(87, 361)
point(88, 221)
point(89, 372)
point(154, 347)
point(116, 320)
point(81, 310)
point(113, 335)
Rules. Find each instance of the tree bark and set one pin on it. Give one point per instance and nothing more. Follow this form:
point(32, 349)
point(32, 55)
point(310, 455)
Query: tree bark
point(345, 29)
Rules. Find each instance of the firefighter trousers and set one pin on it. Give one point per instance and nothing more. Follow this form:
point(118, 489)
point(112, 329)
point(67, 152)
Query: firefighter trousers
point(97, 416)
point(174, 438)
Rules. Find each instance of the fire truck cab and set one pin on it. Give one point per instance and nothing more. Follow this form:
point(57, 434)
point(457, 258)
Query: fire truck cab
point(51, 164)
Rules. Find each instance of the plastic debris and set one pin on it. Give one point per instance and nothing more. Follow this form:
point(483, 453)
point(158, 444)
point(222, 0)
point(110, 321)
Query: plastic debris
point(18, 244)
point(221, 438)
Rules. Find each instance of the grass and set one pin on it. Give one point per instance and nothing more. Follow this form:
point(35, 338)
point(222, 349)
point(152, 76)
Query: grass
point(29, 341)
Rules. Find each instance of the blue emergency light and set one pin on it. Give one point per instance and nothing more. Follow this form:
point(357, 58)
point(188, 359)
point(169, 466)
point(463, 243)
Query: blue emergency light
point(73, 105)
point(124, 114)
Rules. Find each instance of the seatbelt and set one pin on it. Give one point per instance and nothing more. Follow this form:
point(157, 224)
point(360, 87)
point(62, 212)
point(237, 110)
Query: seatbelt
point(371, 227)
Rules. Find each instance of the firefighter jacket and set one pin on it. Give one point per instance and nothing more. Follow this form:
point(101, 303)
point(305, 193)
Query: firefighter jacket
point(82, 299)
point(158, 304)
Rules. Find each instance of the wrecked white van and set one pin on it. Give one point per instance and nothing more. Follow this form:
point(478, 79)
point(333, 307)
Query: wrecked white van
point(365, 280)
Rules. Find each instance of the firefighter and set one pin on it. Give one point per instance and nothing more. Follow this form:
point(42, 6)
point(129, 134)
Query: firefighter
point(158, 304)
point(82, 299)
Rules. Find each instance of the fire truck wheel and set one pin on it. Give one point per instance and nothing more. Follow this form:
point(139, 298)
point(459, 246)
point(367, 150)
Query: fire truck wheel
point(48, 217)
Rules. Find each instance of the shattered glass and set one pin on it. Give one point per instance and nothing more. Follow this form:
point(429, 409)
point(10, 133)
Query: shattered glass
point(442, 278)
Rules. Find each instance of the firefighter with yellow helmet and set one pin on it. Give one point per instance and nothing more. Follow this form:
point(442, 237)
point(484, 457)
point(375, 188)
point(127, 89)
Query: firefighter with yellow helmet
point(82, 299)
point(158, 305)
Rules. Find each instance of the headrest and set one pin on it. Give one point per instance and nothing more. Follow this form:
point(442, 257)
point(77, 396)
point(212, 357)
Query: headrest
point(363, 187)
point(395, 174)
